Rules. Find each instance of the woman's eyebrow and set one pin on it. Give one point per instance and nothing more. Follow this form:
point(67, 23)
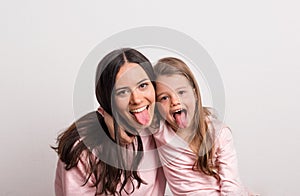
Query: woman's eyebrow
point(121, 88)
point(127, 87)
point(143, 80)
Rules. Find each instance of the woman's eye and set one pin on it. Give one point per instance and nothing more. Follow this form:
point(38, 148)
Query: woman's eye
point(123, 92)
point(143, 85)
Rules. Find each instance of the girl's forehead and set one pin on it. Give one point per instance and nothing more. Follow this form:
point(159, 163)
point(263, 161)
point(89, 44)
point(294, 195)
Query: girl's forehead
point(172, 80)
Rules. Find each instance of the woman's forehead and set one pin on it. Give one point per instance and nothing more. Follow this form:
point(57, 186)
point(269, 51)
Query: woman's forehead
point(130, 74)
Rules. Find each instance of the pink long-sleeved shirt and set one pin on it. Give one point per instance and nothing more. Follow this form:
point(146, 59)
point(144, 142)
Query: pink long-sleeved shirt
point(178, 160)
point(69, 183)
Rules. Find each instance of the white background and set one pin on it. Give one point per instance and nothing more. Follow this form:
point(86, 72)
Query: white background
point(255, 45)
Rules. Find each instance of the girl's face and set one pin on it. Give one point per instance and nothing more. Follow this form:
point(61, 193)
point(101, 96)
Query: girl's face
point(134, 95)
point(177, 100)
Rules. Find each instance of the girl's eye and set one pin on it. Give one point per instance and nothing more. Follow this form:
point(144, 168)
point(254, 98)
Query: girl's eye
point(181, 92)
point(163, 98)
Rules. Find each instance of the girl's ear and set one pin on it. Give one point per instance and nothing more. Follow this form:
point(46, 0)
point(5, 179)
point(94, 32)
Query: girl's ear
point(195, 94)
point(101, 111)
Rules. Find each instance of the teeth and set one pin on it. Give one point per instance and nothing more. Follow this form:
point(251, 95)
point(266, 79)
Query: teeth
point(139, 109)
point(178, 110)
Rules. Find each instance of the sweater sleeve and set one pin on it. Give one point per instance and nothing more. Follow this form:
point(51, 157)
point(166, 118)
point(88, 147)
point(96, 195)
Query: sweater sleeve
point(227, 163)
point(70, 182)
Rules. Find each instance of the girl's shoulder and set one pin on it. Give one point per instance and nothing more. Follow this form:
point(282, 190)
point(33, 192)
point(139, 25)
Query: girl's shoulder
point(221, 133)
point(217, 127)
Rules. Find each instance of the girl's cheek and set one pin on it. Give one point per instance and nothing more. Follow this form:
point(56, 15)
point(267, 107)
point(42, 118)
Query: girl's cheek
point(162, 109)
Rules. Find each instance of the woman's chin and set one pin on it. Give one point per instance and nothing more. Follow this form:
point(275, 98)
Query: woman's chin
point(139, 125)
point(136, 126)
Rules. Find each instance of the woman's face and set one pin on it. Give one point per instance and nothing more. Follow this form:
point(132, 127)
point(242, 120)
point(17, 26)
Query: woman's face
point(134, 96)
point(177, 100)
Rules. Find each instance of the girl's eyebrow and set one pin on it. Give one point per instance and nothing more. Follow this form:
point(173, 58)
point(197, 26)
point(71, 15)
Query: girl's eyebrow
point(160, 94)
point(127, 87)
point(179, 88)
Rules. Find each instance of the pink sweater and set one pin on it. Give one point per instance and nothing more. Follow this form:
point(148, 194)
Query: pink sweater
point(178, 160)
point(69, 183)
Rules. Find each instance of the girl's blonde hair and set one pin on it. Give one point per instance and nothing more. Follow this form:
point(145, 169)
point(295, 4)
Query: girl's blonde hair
point(203, 139)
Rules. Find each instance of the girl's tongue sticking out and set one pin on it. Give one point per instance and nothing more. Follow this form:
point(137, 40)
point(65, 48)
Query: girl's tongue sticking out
point(180, 118)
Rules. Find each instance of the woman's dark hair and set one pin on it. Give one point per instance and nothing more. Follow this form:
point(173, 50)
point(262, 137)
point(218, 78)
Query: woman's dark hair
point(106, 73)
point(105, 159)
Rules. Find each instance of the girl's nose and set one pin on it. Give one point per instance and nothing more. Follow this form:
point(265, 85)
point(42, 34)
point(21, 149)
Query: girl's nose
point(175, 100)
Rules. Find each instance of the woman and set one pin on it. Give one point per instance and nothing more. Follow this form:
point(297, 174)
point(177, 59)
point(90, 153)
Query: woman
point(95, 160)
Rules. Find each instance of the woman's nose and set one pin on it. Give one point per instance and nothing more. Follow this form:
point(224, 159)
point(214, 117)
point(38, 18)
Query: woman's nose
point(136, 97)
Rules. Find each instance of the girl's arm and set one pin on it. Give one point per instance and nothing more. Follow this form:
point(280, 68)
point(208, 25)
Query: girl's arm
point(227, 163)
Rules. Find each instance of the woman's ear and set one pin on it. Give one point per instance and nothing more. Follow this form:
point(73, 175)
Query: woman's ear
point(101, 111)
point(108, 121)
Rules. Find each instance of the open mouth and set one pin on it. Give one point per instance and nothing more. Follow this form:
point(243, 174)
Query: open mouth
point(141, 115)
point(178, 112)
point(139, 109)
point(180, 117)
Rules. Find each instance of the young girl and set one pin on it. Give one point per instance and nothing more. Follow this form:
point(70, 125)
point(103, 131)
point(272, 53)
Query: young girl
point(195, 148)
point(95, 156)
